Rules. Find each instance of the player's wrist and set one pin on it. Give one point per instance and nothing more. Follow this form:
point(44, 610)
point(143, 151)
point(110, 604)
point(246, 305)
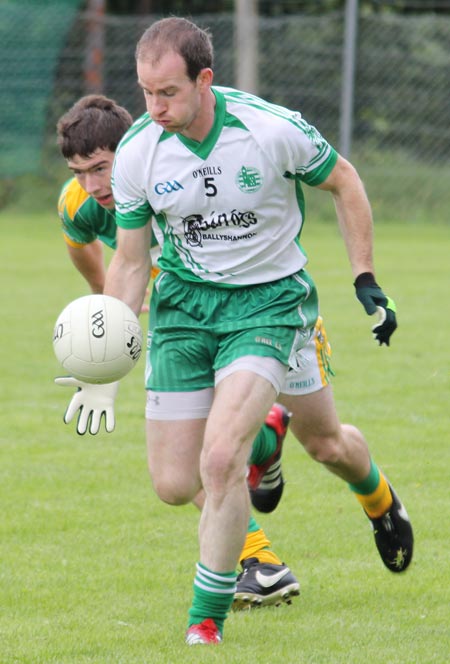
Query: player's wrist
point(365, 280)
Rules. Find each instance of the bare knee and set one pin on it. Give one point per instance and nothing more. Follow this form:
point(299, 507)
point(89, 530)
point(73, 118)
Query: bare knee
point(324, 449)
point(335, 447)
point(173, 489)
point(173, 452)
point(173, 495)
point(220, 470)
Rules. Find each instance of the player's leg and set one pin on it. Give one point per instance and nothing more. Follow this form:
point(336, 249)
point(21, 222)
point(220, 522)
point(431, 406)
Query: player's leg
point(312, 373)
point(173, 459)
point(265, 477)
point(174, 468)
point(239, 407)
point(174, 449)
point(243, 396)
point(314, 422)
point(173, 455)
point(264, 580)
point(174, 432)
point(240, 404)
point(256, 545)
point(343, 449)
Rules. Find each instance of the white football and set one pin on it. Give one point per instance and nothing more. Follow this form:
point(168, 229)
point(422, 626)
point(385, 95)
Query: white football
point(97, 339)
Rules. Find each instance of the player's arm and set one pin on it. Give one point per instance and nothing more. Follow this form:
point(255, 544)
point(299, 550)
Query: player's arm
point(355, 221)
point(354, 214)
point(88, 260)
point(128, 272)
point(127, 278)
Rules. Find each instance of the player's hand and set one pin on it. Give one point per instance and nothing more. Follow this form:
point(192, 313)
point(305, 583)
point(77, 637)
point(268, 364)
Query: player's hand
point(376, 303)
point(93, 402)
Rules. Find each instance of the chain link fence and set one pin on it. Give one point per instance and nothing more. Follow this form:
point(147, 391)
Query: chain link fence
point(401, 129)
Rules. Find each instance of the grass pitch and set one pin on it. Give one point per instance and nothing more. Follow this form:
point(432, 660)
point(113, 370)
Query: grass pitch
point(95, 570)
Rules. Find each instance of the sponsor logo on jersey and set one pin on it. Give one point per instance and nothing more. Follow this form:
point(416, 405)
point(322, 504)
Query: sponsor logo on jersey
point(249, 179)
point(196, 227)
point(167, 187)
point(206, 170)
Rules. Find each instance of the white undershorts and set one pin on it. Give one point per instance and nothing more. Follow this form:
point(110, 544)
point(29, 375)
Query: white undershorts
point(197, 404)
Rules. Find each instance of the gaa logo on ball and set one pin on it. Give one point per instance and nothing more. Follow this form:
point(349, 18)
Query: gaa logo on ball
point(97, 339)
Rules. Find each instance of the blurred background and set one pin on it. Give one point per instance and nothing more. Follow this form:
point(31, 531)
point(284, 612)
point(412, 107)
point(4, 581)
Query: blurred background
point(373, 76)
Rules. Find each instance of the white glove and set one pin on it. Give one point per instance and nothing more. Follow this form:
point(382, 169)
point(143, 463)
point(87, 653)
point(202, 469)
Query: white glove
point(93, 401)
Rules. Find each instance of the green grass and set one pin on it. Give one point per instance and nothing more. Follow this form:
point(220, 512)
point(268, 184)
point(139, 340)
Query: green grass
point(95, 570)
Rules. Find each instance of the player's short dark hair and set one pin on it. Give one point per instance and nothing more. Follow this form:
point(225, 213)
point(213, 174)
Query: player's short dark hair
point(179, 35)
point(94, 122)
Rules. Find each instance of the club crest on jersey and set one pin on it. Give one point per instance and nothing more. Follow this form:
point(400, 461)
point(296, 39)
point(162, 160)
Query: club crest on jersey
point(248, 179)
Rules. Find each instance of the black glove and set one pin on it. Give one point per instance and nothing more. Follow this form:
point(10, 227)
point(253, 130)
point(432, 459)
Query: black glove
point(376, 303)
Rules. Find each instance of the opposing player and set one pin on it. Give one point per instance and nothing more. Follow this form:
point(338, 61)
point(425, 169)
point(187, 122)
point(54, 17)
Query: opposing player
point(88, 135)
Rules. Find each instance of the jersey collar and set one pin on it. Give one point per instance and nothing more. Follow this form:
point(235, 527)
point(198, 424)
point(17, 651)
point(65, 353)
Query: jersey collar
point(204, 149)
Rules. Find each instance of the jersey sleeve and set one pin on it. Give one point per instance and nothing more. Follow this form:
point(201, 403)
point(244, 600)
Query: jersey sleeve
point(75, 231)
point(313, 157)
point(294, 146)
point(133, 209)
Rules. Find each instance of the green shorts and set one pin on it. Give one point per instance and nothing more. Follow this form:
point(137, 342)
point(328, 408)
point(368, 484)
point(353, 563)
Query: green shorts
point(196, 329)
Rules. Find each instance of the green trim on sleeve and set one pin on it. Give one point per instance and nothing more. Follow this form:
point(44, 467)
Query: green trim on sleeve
point(135, 218)
point(319, 175)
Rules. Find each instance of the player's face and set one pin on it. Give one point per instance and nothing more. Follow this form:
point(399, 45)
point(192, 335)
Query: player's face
point(94, 175)
point(173, 100)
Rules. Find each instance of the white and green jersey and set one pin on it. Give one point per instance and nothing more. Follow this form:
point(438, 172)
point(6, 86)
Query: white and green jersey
point(229, 209)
